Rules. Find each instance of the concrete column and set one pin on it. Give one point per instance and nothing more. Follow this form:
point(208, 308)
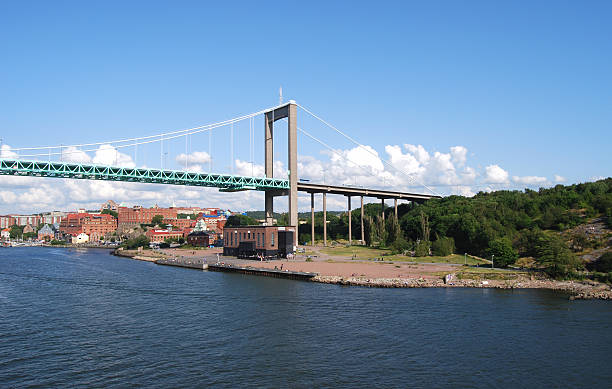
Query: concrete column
point(382, 202)
point(312, 219)
point(395, 205)
point(293, 172)
point(362, 230)
point(350, 232)
point(324, 219)
point(269, 164)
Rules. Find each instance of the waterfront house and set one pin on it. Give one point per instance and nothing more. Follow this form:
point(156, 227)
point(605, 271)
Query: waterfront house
point(5, 234)
point(80, 238)
point(47, 232)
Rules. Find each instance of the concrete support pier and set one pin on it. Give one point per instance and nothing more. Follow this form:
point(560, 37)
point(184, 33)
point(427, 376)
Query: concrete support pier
point(312, 219)
point(350, 232)
point(395, 205)
point(382, 202)
point(362, 230)
point(324, 219)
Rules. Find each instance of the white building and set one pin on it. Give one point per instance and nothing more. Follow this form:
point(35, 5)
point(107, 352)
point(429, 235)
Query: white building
point(80, 238)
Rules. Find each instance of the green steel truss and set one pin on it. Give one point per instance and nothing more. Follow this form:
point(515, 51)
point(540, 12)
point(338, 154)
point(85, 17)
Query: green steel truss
point(155, 176)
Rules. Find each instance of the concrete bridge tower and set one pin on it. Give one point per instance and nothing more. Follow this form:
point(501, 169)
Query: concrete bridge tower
point(288, 111)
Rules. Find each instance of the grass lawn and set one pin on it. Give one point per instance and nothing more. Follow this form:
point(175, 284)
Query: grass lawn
point(369, 253)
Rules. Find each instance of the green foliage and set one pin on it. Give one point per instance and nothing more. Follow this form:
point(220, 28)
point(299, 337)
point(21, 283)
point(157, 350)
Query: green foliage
point(16, 231)
point(422, 248)
point(502, 252)
point(56, 242)
point(555, 257)
point(394, 232)
point(134, 243)
point(30, 235)
point(603, 263)
point(157, 220)
point(474, 222)
point(240, 220)
point(443, 246)
point(400, 245)
point(110, 212)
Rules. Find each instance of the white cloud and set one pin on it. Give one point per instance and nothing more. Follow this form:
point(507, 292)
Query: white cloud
point(408, 167)
point(193, 161)
point(529, 180)
point(495, 175)
point(109, 155)
point(459, 155)
point(559, 178)
point(5, 152)
point(72, 154)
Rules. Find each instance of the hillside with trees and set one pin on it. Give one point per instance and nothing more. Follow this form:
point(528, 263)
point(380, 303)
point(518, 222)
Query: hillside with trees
point(561, 230)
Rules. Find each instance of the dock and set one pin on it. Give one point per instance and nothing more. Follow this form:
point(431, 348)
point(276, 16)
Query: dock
point(192, 263)
point(277, 273)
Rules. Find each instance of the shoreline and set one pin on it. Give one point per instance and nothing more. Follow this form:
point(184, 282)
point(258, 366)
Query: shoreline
point(422, 276)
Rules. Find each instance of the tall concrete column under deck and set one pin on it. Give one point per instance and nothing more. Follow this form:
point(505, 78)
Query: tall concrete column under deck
point(350, 233)
point(395, 205)
point(312, 219)
point(362, 230)
point(382, 202)
point(324, 219)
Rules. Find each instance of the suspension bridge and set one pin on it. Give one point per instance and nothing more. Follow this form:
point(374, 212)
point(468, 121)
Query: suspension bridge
point(40, 162)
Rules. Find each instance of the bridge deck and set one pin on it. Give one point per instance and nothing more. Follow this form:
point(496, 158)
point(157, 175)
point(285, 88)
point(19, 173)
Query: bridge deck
point(225, 182)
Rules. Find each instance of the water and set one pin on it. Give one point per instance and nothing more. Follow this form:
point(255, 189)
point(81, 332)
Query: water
point(85, 318)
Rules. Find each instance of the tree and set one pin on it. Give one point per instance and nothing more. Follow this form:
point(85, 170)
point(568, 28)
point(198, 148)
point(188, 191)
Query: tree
point(502, 252)
point(112, 213)
point(240, 220)
point(556, 258)
point(422, 248)
point(443, 246)
point(16, 231)
point(603, 263)
point(157, 220)
point(394, 232)
point(133, 243)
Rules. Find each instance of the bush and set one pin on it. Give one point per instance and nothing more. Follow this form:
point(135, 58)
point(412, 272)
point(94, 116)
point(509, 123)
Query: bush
point(422, 248)
point(603, 263)
point(503, 252)
point(400, 245)
point(134, 243)
point(443, 246)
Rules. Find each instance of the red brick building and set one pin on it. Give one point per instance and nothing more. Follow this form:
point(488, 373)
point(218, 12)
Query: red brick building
point(249, 241)
point(133, 216)
point(162, 235)
point(95, 226)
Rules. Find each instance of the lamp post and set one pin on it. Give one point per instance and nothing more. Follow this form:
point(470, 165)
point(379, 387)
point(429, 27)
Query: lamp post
point(492, 257)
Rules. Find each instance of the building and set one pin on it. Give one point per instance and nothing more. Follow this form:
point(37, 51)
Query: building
point(109, 205)
point(134, 216)
point(47, 232)
point(5, 234)
point(198, 239)
point(52, 217)
point(180, 223)
point(96, 226)
point(28, 229)
point(250, 241)
point(162, 235)
point(80, 238)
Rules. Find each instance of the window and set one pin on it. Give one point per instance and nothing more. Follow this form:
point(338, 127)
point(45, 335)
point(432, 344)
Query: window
point(263, 239)
point(272, 240)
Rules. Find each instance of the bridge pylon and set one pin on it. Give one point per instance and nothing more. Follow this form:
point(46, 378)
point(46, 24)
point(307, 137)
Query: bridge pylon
point(288, 111)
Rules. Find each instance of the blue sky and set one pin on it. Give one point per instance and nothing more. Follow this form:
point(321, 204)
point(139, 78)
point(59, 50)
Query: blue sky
point(525, 86)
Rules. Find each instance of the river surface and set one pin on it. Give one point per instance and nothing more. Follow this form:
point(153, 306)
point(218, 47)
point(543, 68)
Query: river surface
point(88, 319)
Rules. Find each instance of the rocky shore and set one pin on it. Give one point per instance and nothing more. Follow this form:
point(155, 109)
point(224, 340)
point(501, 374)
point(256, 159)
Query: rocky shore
point(576, 289)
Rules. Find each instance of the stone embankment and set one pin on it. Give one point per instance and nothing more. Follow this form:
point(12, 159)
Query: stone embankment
point(577, 289)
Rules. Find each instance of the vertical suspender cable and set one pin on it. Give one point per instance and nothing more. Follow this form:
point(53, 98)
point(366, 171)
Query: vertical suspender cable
point(232, 146)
